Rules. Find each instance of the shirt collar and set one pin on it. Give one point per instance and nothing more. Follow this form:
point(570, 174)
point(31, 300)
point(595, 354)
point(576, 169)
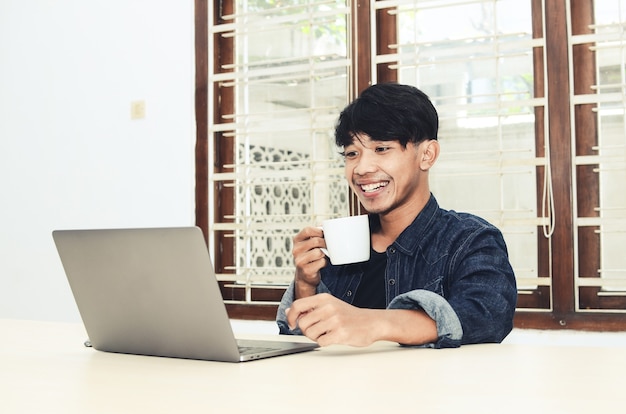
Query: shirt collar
point(410, 237)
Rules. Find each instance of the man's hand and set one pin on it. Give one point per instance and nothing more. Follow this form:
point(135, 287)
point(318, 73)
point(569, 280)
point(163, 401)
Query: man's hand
point(309, 259)
point(328, 320)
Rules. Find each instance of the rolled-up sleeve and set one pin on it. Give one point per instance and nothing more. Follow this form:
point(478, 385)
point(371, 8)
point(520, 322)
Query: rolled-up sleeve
point(449, 329)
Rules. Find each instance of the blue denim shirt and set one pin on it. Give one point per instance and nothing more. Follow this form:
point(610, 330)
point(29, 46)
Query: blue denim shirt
point(454, 266)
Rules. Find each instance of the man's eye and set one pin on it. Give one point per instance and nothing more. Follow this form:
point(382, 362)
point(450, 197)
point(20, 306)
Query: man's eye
point(350, 154)
point(382, 149)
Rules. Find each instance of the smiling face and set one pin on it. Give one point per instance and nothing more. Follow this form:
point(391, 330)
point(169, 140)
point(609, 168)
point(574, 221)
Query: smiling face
point(388, 178)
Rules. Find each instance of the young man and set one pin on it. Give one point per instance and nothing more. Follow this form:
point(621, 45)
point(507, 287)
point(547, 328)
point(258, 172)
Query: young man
point(435, 277)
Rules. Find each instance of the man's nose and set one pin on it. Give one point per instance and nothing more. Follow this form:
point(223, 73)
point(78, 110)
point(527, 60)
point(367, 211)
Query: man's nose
point(365, 164)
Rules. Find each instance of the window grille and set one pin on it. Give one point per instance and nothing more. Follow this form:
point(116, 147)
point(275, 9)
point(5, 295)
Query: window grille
point(478, 69)
point(487, 65)
point(601, 158)
point(289, 79)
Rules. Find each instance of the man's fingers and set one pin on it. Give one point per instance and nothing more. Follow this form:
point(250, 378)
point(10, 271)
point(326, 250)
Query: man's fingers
point(293, 317)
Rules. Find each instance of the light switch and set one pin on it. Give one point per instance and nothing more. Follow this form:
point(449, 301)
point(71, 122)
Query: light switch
point(137, 109)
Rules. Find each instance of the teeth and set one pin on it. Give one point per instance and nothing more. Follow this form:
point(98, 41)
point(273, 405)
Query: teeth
point(373, 187)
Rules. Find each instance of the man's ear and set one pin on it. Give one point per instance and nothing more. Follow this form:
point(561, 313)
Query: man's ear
point(429, 154)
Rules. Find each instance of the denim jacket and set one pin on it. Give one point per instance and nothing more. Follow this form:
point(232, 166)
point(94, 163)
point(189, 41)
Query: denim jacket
point(454, 266)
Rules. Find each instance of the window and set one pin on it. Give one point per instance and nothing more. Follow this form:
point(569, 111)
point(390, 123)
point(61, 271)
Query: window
point(532, 134)
point(277, 169)
point(478, 69)
point(597, 67)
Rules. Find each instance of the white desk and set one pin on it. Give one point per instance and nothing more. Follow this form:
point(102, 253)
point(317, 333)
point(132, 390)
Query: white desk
point(44, 368)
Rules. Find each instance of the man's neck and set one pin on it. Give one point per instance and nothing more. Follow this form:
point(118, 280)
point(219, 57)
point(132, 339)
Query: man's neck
point(395, 222)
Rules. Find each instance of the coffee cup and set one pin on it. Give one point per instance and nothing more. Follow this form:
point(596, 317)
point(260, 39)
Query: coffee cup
point(347, 239)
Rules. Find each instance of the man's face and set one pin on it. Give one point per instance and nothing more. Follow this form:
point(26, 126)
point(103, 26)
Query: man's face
point(384, 175)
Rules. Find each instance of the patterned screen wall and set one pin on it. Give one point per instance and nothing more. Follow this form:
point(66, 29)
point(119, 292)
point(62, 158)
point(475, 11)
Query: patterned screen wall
point(277, 207)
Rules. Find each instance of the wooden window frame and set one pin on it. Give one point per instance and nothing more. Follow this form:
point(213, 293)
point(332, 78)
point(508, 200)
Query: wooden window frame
point(563, 314)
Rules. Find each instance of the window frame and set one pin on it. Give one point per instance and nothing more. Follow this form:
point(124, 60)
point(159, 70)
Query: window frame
point(563, 314)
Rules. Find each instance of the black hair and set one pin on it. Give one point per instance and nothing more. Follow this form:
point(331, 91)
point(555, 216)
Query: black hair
point(388, 112)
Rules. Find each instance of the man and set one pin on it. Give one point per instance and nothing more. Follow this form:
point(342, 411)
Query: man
point(435, 277)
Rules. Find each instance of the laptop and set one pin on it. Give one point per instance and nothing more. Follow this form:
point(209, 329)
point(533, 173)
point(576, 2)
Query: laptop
point(153, 291)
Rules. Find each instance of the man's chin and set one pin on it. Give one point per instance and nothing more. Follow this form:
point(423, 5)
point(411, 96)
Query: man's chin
point(373, 208)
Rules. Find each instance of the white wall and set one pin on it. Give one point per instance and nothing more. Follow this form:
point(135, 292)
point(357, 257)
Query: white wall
point(70, 155)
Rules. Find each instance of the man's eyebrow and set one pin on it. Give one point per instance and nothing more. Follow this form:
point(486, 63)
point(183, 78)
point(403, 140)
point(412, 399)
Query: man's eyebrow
point(385, 141)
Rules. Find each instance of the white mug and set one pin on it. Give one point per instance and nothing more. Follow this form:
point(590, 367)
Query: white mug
point(347, 239)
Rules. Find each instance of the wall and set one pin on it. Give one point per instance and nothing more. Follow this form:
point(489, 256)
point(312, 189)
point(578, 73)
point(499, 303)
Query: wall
point(70, 154)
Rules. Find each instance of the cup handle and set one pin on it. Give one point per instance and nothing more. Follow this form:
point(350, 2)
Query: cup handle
point(321, 248)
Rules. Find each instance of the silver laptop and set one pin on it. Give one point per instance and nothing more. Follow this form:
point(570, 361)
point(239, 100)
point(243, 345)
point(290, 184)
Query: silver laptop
point(154, 292)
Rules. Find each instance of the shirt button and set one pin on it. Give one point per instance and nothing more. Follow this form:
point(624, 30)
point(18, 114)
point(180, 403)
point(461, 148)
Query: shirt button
point(349, 293)
point(392, 281)
point(392, 250)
